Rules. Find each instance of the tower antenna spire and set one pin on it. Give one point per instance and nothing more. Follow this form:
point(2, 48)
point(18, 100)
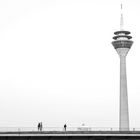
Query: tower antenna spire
point(121, 20)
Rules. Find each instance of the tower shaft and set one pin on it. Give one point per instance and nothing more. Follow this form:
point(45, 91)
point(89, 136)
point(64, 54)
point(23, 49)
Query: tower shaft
point(124, 115)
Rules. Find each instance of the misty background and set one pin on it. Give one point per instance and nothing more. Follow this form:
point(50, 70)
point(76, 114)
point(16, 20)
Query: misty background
point(57, 64)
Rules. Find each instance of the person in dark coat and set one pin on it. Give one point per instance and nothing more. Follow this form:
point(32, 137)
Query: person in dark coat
point(41, 126)
point(65, 127)
point(38, 126)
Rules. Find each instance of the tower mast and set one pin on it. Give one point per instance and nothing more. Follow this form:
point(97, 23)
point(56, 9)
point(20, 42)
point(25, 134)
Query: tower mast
point(122, 43)
point(121, 20)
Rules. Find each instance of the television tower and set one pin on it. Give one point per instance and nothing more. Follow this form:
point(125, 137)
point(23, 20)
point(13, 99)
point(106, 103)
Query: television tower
point(122, 43)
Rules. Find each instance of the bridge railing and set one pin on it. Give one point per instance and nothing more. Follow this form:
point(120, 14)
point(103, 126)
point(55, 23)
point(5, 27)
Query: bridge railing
point(85, 128)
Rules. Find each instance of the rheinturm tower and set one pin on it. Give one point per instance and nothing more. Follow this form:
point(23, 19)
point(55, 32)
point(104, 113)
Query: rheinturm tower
point(122, 43)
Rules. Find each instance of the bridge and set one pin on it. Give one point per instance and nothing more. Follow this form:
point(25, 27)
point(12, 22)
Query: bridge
point(59, 133)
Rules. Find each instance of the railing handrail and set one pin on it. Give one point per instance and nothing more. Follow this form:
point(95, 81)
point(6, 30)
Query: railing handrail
point(80, 128)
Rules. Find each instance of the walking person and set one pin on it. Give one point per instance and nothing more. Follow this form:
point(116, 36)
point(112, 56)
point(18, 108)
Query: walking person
point(65, 127)
point(41, 126)
point(38, 126)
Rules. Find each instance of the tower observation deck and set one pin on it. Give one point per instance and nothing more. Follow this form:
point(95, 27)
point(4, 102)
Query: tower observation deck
point(122, 43)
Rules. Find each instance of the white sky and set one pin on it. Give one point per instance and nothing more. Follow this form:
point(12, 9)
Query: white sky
point(57, 64)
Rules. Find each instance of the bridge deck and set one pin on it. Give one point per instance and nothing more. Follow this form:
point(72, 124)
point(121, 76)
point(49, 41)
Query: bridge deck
point(71, 133)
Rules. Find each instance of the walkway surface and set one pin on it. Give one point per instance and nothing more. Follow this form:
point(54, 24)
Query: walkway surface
point(71, 133)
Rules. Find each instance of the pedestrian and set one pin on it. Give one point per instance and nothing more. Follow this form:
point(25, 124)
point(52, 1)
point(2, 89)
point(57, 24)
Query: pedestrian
point(65, 127)
point(41, 126)
point(38, 126)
